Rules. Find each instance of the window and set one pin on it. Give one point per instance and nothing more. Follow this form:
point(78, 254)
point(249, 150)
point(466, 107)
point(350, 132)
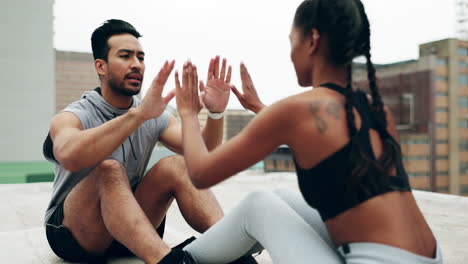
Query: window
point(463, 79)
point(441, 78)
point(463, 51)
point(440, 125)
point(463, 101)
point(441, 61)
point(463, 124)
point(441, 109)
point(464, 145)
point(463, 64)
point(463, 168)
point(407, 109)
point(414, 141)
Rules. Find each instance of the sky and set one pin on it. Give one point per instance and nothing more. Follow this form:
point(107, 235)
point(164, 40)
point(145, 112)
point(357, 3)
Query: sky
point(251, 31)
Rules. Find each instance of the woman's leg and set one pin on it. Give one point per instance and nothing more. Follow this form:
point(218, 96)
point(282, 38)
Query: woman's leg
point(295, 200)
point(264, 217)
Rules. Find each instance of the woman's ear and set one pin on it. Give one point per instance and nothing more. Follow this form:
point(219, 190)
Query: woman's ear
point(313, 40)
point(101, 66)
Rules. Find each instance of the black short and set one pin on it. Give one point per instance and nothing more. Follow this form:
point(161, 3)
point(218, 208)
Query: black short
point(65, 246)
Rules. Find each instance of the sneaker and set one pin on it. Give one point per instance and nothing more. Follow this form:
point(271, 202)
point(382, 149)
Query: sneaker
point(188, 259)
point(178, 256)
point(245, 260)
point(185, 243)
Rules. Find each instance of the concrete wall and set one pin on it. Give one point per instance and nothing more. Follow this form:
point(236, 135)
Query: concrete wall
point(27, 78)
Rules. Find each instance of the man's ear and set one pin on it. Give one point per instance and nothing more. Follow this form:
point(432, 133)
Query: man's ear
point(101, 66)
point(313, 39)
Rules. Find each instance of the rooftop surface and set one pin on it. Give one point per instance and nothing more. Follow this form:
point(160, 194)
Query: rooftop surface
point(22, 235)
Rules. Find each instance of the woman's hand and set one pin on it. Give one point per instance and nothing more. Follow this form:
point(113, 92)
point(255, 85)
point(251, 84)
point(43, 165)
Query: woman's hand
point(249, 99)
point(215, 96)
point(188, 102)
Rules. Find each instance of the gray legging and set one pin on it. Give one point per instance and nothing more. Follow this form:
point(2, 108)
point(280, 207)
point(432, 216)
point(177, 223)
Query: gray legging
point(291, 231)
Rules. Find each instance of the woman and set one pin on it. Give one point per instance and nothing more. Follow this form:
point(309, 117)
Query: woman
point(346, 153)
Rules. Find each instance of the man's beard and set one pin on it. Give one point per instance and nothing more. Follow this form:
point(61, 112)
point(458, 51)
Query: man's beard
point(119, 87)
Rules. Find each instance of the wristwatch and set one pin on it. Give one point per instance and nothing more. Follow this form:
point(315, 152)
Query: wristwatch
point(216, 115)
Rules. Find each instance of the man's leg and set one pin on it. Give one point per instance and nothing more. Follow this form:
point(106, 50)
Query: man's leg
point(167, 180)
point(102, 207)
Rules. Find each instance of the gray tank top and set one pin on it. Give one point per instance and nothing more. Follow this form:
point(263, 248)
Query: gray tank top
point(134, 153)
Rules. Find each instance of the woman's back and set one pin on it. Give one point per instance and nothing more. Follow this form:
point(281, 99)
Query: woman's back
point(391, 218)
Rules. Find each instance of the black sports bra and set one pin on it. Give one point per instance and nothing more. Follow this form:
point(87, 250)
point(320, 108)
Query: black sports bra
point(324, 185)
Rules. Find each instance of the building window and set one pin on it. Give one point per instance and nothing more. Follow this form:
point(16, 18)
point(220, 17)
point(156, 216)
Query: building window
point(417, 158)
point(441, 78)
point(441, 61)
point(414, 141)
point(407, 109)
point(464, 145)
point(463, 79)
point(442, 173)
point(463, 101)
point(441, 109)
point(463, 124)
point(463, 64)
point(463, 51)
point(463, 168)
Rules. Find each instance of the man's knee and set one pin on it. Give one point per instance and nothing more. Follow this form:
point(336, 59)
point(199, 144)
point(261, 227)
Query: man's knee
point(170, 169)
point(110, 172)
point(171, 165)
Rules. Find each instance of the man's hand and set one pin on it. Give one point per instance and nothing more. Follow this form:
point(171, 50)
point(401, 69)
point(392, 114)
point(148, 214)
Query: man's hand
point(249, 99)
point(188, 101)
point(215, 96)
point(153, 104)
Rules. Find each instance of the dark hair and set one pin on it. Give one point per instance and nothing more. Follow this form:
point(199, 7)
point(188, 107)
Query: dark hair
point(346, 26)
point(108, 29)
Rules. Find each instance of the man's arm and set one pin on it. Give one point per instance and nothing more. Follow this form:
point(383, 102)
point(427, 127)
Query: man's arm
point(212, 134)
point(76, 148)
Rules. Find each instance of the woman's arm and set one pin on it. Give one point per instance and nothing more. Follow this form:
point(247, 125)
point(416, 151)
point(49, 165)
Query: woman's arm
point(257, 140)
point(249, 98)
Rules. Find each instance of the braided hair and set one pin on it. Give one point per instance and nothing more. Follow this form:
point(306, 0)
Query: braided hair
point(346, 25)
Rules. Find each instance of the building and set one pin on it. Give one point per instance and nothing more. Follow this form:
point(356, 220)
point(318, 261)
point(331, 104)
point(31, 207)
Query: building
point(429, 99)
point(74, 74)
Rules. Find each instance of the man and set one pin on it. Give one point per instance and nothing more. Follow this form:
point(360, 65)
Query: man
point(101, 145)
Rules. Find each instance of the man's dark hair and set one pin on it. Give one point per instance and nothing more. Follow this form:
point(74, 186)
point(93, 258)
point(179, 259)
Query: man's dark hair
point(108, 29)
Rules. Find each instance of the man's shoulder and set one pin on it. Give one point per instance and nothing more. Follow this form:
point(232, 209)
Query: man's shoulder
point(80, 104)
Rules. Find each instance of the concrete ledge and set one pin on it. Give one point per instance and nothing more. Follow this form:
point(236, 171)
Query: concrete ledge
point(22, 236)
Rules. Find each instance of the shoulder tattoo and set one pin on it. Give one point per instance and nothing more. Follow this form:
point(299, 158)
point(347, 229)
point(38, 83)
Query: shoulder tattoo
point(314, 108)
point(334, 109)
